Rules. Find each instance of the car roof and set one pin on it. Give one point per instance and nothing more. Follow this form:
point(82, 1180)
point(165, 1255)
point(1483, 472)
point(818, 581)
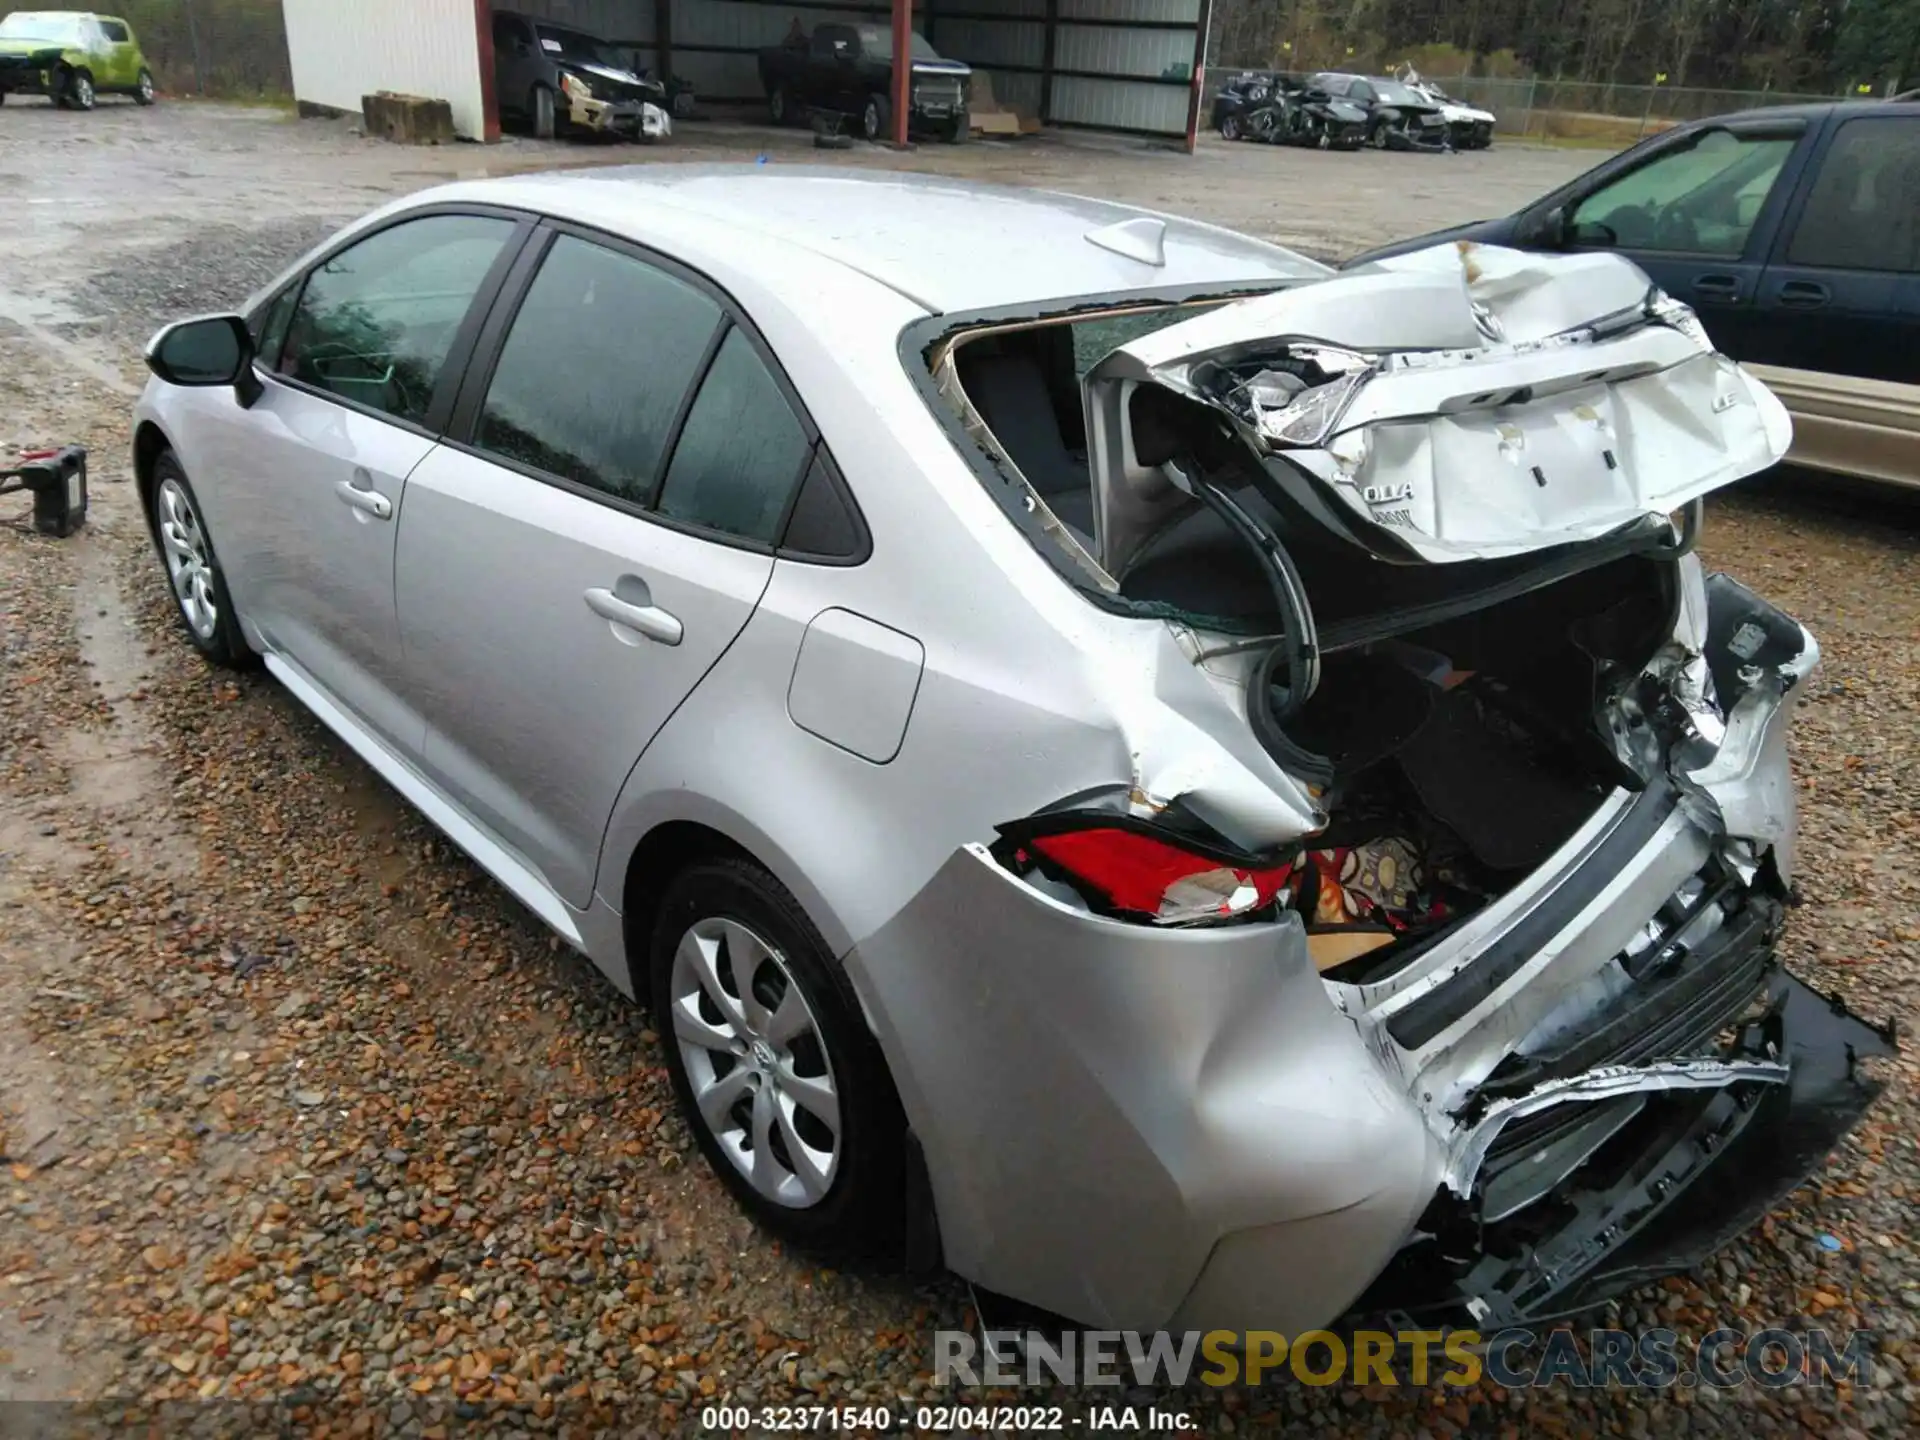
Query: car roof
point(948, 245)
point(1805, 110)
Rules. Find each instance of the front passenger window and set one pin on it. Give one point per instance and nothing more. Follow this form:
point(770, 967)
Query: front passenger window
point(375, 323)
point(1701, 200)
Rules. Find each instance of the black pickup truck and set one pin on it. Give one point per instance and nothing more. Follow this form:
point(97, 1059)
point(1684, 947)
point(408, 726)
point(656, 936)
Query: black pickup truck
point(848, 70)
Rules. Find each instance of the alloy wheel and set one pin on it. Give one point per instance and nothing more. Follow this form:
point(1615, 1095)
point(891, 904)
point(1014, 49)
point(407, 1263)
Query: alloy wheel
point(146, 88)
point(1230, 128)
point(189, 559)
point(756, 1061)
point(82, 93)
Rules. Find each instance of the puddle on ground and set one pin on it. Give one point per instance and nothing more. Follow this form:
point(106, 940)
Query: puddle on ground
point(119, 769)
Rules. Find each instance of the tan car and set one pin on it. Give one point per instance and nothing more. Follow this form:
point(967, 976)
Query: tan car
point(1795, 234)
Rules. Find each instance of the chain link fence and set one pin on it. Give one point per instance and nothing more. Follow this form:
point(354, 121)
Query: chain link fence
point(1585, 110)
point(232, 48)
point(1575, 110)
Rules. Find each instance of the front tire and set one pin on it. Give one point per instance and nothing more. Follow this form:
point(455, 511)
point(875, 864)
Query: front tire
point(200, 596)
point(546, 123)
point(780, 106)
point(79, 91)
point(775, 1071)
point(143, 92)
point(1377, 135)
point(1230, 128)
point(876, 119)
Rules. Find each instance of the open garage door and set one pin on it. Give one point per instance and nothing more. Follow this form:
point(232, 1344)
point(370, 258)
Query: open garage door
point(1123, 65)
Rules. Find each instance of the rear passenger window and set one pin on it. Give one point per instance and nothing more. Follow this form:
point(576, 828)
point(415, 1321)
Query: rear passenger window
point(375, 322)
point(741, 452)
point(1864, 211)
point(595, 369)
point(114, 31)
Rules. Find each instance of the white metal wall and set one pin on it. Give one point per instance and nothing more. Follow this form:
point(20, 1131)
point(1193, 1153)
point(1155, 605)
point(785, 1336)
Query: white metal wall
point(1124, 64)
point(343, 49)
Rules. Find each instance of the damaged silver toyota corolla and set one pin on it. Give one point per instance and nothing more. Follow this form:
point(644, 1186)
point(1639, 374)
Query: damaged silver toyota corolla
point(1203, 793)
point(1474, 1010)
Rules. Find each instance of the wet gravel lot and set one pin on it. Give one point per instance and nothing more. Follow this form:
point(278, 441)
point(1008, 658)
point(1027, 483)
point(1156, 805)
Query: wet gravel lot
point(295, 1104)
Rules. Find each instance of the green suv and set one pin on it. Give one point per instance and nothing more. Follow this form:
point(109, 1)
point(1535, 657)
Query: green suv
point(72, 57)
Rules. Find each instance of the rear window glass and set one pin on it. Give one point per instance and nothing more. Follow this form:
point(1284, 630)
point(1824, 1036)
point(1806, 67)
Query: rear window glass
point(1094, 340)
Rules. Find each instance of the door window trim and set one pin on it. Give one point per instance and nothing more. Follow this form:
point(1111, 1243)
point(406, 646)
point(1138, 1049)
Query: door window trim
point(452, 370)
point(490, 341)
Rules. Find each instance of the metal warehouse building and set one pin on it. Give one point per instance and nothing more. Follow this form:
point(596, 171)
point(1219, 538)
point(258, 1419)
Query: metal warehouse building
point(1131, 66)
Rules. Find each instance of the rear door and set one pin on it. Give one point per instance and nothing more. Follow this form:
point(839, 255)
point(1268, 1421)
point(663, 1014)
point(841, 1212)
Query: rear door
point(1842, 293)
point(1698, 215)
point(596, 532)
point(1839, 338)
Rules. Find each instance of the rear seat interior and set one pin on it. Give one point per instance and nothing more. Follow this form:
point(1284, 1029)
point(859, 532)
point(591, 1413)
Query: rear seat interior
point(1024, 385)
point(1007, 378)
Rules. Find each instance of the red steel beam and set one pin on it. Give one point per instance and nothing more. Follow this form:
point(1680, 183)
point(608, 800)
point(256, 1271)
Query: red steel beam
point(902, 68)
point(489, 102)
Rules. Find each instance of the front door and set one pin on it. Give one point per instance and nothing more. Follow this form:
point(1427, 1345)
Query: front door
point(329, 447)
point(120, 56)
point(1691, 217)
point(573, 567)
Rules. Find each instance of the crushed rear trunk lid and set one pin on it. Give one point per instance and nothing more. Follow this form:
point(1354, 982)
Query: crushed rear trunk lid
point(1461, 402)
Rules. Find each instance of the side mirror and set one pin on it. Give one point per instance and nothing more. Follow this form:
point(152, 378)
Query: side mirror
point(1542, 229)
point(212, 350)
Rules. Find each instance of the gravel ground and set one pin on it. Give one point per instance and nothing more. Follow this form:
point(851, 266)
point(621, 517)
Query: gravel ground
point(296, 1105)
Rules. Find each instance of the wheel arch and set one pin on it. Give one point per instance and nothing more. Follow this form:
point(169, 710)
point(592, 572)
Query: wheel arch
point(149, 440)
point(669, 844)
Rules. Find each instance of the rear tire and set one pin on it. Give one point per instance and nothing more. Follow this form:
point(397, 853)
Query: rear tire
point(781, 1031)
point(546, 123)
point(143, 92)
point(199, 586)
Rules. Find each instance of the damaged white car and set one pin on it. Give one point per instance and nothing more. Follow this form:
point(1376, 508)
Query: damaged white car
point(1198, 792)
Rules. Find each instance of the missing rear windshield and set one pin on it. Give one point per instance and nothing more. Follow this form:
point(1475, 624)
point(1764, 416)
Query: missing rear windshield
point(1015, 389)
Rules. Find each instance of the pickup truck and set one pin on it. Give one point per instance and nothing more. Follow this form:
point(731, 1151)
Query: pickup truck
point(848, 70)
point(1794, 233)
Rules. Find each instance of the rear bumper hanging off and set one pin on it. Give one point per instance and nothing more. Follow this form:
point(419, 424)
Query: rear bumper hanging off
point(1683, 1166)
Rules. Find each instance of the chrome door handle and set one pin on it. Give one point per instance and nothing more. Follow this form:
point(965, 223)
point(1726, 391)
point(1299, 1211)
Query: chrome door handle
point(650, 620)
point(371, 501)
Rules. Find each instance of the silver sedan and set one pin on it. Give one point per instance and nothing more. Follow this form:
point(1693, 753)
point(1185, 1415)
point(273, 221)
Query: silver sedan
point(1191, 790)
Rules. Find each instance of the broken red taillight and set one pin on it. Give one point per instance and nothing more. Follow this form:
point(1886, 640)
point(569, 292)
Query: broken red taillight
point(1134, 867)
